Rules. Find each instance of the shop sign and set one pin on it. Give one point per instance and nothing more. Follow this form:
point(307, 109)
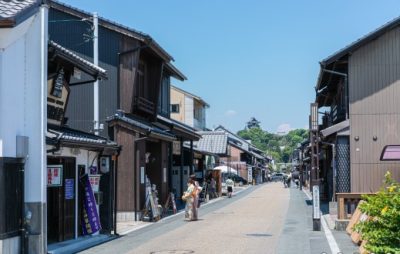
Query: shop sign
point(90, 218)
point(176, 147)
point(69, 188)
point(54, 175)
point(249, 174)
point(57, 97)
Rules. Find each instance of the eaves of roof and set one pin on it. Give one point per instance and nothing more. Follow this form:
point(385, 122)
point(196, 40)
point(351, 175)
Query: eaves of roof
point(180, 127)
point(14, 12)
point(175, 72)
point(146, 129)
point(82, 64)
point(191, 95)
point(361, 42)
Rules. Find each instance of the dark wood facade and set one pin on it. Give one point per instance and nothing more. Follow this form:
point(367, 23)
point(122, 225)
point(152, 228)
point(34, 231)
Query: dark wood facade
point(139, 73)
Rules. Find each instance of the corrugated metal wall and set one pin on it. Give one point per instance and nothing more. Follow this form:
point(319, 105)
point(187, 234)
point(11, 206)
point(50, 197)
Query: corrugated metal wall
point(374, 90)
point(80, 106)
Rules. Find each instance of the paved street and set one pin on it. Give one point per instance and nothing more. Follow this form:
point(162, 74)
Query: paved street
point(254, 221)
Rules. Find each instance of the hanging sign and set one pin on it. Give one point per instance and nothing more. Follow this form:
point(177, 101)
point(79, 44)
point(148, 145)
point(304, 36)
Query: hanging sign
point(54, 175)
point(90, 218)
point(176, 147)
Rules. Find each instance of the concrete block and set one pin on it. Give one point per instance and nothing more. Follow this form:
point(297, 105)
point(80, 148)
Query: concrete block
point(341, 225)
point(333, 208)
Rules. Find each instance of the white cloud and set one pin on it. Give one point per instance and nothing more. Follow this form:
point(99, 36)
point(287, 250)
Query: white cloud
point(230, 113)
point(284, 129)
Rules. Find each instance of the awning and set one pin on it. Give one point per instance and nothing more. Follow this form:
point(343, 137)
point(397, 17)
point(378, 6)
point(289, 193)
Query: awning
point(141, 126)
point(341, 128)
point(95, 71)
point(226, 169)
point(64, 136)
point(180, 129)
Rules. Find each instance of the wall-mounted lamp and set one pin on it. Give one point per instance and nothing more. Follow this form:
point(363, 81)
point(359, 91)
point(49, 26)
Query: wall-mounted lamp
point(374, 138)
point(356, 138)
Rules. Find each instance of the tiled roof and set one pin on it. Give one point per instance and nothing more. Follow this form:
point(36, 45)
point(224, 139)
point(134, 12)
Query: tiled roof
point(82, 63)
point(11, 10)
point(64, 134)
point(212, 141)
point(238, 141)
point(178, 125)
point(148, 128)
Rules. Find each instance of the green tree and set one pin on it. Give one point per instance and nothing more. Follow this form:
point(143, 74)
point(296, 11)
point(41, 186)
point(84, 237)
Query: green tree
point(271, 143)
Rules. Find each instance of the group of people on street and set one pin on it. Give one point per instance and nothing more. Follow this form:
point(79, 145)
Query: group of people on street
point(288, 178)
point(191, 196)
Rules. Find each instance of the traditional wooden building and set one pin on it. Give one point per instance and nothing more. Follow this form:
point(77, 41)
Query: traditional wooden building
point(132, 100)
point(359, 86)
point(72, 154)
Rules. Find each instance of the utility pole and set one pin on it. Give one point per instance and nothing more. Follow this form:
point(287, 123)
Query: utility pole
point(96, 84)
point(315, 166)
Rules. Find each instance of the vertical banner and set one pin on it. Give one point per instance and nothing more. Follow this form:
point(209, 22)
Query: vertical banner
point(249, 175)
point(90, 218)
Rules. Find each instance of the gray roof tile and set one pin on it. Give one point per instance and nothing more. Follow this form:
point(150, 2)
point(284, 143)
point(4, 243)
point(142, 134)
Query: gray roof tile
point(212, 141)
point(11, 8)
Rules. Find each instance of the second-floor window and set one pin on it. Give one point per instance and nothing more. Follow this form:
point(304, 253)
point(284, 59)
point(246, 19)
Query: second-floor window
point(174, 108)
point(198, 113)
point(141, 80)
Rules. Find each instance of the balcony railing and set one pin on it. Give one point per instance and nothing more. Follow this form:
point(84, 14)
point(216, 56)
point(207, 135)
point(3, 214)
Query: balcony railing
point(144, 105)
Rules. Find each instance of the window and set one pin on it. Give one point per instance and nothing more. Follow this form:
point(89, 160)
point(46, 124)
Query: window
point(174, 108)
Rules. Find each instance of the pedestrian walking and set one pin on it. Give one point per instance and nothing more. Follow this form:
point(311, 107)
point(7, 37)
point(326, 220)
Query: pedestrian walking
point(196, 194)
point(188, 197)
point(213, 184)
point(229, 184)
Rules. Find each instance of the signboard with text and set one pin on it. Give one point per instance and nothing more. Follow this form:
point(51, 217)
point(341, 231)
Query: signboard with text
point(316, 207)
point(54, 175)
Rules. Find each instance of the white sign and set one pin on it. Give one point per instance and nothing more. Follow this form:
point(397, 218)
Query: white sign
point(165, 175)
point(176, 147)
point(142, 175)
point(316, 207)
point(249, 175)
point(54, 175)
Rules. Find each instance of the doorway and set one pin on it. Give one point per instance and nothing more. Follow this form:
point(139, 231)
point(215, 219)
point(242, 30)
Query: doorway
point(61, 196)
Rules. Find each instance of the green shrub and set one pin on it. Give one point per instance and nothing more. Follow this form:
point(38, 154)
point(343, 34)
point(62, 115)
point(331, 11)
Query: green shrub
point(382, 229)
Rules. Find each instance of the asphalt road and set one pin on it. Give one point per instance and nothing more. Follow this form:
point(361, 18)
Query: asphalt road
point(250, 222)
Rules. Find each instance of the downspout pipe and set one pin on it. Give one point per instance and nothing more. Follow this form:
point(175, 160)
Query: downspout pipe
point(346, 87)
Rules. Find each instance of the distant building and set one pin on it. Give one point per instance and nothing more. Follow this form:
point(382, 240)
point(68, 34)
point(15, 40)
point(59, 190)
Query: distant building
point(253, 123)
point(188, 108)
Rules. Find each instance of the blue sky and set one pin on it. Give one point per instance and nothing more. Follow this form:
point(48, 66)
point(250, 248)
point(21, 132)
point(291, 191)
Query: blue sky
point(250, 57)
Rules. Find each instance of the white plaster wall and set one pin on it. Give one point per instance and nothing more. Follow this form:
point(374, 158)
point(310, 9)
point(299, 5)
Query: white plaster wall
point(82, 156)
point(23, 81)
point(189, 116)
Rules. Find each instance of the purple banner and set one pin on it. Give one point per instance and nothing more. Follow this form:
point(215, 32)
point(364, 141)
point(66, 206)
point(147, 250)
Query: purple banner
point(90, 218)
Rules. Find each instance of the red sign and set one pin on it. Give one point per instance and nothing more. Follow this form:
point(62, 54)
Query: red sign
point(54, 175)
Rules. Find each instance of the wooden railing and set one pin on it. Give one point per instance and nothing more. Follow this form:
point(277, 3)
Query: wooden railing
point(144, 105)
point(347, 204)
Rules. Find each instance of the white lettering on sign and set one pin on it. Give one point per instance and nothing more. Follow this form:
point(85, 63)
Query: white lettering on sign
point(316, 207)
